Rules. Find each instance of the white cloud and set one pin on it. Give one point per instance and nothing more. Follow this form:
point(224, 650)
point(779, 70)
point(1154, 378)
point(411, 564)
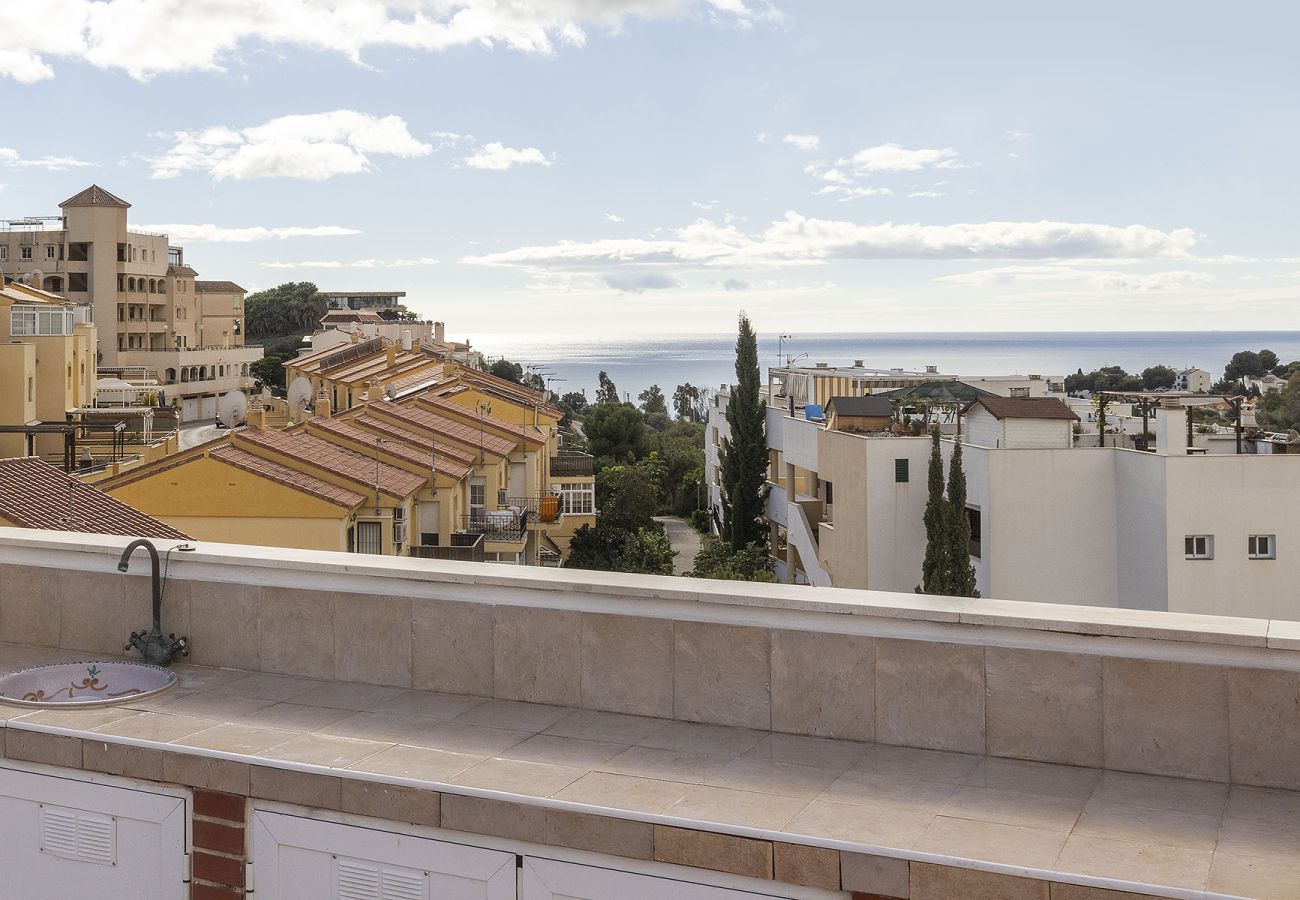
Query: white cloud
point(497, 157)
point(927, 193)
point(896, 158)
point(1099, 279)
point(797, 240)
point(613, 217)
point(15, 160)
point(639, 282)
point(846, 177)
point(763, 137)
point(705, 204)
point(354, 264)
point(314, 147)
point(216, 234)
point(151, 37)
point(803, 141)
point(1016, 135)
point(735, 284)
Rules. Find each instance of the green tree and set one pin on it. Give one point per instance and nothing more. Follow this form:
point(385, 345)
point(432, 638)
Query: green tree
point(680, 451)
point(1280, 410)
point(573, 404)
point(744, 459)
point(717, 560)
point(270, 369)
point(606, 391)
point(628, 496)
point(961, 580)
point(294, 307)
point(510, 371)
point(607, 548)
point(1268, 359)
point(934, 568)
point(1158, 378)
point(1247, 364)
point(686, 403)
point(654, 407)
point(615, 431)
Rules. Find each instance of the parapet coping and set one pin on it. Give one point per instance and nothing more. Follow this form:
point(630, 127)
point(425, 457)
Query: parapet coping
point(1204, 638)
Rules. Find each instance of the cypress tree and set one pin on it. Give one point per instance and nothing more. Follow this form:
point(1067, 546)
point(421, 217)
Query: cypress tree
point(961, 578)
point(934, 570)
point(744, 459)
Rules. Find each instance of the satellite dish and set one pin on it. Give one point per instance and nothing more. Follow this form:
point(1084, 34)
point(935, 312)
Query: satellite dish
point(299, 394)
point(232, 409)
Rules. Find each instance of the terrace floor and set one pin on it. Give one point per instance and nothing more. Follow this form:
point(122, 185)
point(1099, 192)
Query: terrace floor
point(1153, 834)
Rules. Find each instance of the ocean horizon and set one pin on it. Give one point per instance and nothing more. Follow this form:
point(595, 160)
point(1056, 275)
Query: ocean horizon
point(634, 362)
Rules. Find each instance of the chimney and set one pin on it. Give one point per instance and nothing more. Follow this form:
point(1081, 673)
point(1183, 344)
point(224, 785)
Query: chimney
point(1171, 429)
point(858, 363)
point(440, 332)
point(406, 340)
point(392, 355)
point(932, 370)
point(323, 407)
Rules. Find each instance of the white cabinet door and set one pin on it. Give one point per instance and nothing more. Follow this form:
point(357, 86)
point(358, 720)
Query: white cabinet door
point(548, 879)
point(296, 858)
point(65, 837)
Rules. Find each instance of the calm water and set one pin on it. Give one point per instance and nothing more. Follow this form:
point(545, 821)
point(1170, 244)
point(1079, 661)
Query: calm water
point(637, 361)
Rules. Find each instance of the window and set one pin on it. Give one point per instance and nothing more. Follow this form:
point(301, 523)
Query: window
point(1262, 546)
point(25, 252)
point(4, 252)
point(399, 528)
point(976, 531)
point(901, 471)
point(1020, 392)
point(477, 496)
point(578, 498)
point(1198, 546)
point(370, 537)
point(38, 322)
point(49, 252)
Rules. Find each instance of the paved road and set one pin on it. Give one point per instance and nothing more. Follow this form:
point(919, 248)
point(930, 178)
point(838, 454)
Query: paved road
point(684, 539)
point(196, 433)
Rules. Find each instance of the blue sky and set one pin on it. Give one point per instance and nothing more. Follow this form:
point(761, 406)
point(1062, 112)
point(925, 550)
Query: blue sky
point(616, 166)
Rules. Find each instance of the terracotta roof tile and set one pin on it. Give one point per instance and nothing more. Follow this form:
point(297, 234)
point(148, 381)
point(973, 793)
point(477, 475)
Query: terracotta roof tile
point(290, 478)
point(423, 418)
point(320, 454)
point(1024, 408)
point(35, 494)
point(94, 196)
point(409, 447)
point(528, 432)
point(217, 287)
point(418, 436)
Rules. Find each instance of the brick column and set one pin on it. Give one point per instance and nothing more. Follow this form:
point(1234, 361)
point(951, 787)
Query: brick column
point(218, 853)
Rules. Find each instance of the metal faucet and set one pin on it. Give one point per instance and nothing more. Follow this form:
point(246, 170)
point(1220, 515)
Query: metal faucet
point(151, 645)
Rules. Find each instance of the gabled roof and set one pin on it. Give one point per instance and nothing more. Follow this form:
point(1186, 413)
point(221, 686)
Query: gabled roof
point(410, 447)
point(527, 432)
point(422, 419)
point(1024, 408)
point(94, 196)
point(217, 287)
point(872, 405)
point(946, 391)
point(290, 478)
point(319, 454)
point(34, 494)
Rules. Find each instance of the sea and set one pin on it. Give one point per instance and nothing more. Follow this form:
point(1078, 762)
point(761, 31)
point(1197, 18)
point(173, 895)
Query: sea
point(634, 362)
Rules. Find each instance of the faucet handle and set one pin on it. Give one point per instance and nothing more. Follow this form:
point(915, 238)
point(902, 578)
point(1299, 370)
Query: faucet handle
point(180, 645)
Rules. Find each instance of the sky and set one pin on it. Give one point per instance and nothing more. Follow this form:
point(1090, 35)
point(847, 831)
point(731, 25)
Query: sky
point(650, 166)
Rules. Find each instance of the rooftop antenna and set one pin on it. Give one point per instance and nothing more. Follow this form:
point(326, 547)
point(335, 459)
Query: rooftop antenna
point(780, 346)
point(484, 409)
point(71, 519)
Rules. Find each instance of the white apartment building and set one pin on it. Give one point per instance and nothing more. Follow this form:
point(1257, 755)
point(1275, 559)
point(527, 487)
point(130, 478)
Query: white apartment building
point(1193, 379)
point(1051, 520)
point(158, 325)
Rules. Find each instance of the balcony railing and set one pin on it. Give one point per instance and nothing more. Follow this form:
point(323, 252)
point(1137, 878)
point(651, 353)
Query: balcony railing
point(464, 547)
point(546, 508)
point(496, 525)
point(572, 465)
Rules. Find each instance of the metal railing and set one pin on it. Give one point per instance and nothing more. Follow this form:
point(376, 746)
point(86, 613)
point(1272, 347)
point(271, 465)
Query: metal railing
point(545, 508)
point(464, 547)
point(572, 465)
point(501, 525)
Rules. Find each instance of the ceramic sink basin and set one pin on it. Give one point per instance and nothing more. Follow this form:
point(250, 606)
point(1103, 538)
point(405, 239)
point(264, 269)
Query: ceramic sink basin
point(72, 685)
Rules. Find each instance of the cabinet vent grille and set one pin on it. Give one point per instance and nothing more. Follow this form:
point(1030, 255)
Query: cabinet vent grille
point(78, 835)
point(358, 880)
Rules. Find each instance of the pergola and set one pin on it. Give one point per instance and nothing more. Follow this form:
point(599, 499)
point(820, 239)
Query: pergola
point(1150, 400)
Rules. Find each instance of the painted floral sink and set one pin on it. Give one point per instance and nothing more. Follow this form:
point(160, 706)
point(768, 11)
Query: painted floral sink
point(72, 685)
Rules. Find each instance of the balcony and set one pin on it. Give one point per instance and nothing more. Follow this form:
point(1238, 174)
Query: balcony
point(463, 548)
point(545, 509)
point(572, 465)
point(496, 526)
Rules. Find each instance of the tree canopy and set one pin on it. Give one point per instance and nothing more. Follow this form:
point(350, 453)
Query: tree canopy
point(744, 458)
point(615, 431)
point(654, 407)
point(717, 560)
point(295, 307)
point(606, 390)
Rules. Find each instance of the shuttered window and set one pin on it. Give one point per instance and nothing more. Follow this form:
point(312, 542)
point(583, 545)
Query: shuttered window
point(901, 471)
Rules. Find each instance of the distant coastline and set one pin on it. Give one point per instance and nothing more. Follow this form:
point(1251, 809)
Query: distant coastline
point(705, 360)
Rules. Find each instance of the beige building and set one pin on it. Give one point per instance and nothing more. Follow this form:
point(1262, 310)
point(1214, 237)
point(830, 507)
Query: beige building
point(158, 325)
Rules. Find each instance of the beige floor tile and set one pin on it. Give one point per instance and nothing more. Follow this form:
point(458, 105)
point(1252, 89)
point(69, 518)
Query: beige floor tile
point(322, 750)
point(1136, 824)
point(1263, 878)
point(1036, 778)
point(884, 826)
point(517, 776)
point(416, 763)
point(1153, 864)
point(1013, 808)
point(798, 750)
point(623, 792)
point(1158, 792)
point(514, 715)
point(457, 737)
point(149, 704)
point(79, 718)
point(207, 678)
point(346, 695)
point(1246, 837)
point(429, 706)
point(725, 806)
point(216, 704)
point(276, 688)
point(992, 842)
point(614, 728)
point(767, 777)
point(294, 716)
point(563, 751)
point(1264, 805)
point(691, 737)
point(374, 726)
point(665, 765)
point(151, 726)
point(866, 788)
point(231, 738)
point(918, 765)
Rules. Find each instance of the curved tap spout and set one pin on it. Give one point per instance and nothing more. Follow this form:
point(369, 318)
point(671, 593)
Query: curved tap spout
point(151, 644)
point(125, 563)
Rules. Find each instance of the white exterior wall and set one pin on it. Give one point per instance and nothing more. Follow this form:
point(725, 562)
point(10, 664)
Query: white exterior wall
point(1142, 577)
point(981, 428)
point(895, 517)
point(795, 438)
point(1044, 433)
